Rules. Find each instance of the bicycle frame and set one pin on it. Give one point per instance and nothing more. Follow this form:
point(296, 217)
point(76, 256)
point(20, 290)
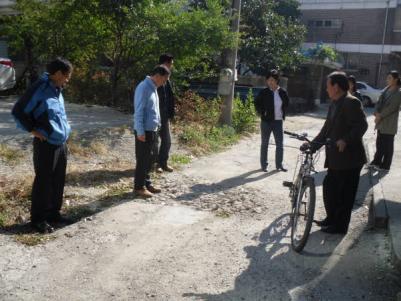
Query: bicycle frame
point(305, 169)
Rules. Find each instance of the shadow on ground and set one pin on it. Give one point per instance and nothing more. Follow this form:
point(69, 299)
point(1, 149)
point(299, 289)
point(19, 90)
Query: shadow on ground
point(274, 269)
point(98, 177)
point(201, 189)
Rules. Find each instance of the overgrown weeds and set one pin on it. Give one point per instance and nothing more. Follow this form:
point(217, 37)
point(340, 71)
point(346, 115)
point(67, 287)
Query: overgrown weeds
point(197, 124)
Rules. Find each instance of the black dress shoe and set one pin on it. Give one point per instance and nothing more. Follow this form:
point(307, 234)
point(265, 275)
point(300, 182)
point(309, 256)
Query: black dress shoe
point(333, 230)
point(42, 227)
point(59, 219)
point(323, 223)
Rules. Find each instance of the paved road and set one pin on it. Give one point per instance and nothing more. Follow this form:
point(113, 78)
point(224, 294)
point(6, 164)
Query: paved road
point(169, 251)
point(81, 118)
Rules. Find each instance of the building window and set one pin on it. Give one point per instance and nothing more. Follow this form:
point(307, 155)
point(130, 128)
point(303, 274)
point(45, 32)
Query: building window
point(329, 23)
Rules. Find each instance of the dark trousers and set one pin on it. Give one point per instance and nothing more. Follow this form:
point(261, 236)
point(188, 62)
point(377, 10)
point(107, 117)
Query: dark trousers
point(384, 150)
point(266, 128)
point(165, 143)
point(145, 154)
point(339, 191)
point(50, 163)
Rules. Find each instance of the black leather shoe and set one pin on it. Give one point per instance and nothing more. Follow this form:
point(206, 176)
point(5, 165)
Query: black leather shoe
point(42, 227)
point(333, 230)
point(323, 223)
point(59, 219)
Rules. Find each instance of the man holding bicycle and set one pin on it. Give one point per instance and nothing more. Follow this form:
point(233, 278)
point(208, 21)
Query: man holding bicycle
point(345, 126)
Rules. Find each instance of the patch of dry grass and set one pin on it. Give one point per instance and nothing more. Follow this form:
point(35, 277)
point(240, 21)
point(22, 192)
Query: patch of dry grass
point(10, 155)
point(98, 147)
point(81, 147)
point(15, 201)
point(33, 239)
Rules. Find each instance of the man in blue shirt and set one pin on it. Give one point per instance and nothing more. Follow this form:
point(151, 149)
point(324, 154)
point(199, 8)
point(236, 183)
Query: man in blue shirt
point(146, 125)
point(41, 112)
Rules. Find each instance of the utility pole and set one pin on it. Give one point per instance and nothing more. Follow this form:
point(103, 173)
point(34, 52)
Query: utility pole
point(231, 63)
point(383, 40)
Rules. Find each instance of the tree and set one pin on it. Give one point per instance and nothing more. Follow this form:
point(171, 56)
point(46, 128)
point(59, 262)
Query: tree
point(125, 37)
point(43, 30)
point(271, 34)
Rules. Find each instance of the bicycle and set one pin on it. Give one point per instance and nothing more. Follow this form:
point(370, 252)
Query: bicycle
point(302, 194)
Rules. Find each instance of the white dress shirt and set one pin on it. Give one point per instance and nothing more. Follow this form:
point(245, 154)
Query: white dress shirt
point(278, 103)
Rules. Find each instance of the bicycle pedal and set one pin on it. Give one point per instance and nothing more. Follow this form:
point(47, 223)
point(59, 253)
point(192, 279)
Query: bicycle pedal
point(288, 184)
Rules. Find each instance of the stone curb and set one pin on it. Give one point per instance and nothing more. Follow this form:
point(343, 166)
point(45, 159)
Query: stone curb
point(383, 214)
point(378, 215)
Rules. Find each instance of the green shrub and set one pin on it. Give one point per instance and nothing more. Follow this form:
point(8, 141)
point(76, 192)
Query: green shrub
point(244, 114)
point(197, 122)
point(179, 159)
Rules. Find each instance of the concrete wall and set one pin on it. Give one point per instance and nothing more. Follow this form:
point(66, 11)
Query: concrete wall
point(358, 26)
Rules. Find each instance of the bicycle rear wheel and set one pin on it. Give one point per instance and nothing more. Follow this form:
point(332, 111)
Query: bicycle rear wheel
point(302, 214)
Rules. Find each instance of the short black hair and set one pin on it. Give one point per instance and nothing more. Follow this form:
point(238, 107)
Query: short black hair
point(352, 79)
point(59, 64)
point(339, 78)
point(165, 58)
point(395, 75)
point(160, 70)
point(273, 73)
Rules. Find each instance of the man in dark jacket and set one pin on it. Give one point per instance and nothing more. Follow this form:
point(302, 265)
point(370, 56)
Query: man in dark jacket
point(41, 112)
point(271, 105)
point(344, 127)
point(167, 111)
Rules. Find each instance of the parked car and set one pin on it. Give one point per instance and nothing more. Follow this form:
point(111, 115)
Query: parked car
point(7, 74)
point(370, 95)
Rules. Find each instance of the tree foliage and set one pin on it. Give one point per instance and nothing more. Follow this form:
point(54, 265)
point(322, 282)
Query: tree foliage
point(124, 37)
point(114, 43)
point(321, 52)
point(271, 34)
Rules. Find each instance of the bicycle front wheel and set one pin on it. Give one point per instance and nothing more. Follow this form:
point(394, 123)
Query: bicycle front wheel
point(302, 213)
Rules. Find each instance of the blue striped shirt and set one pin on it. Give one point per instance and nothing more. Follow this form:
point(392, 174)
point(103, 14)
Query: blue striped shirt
point(146, 104)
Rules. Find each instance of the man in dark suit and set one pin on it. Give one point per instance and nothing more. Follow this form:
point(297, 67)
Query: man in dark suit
point(167, 111)
point(344, 127)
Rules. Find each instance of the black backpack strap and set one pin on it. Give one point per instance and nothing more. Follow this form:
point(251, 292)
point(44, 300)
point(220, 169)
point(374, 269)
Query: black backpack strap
point(26, 120)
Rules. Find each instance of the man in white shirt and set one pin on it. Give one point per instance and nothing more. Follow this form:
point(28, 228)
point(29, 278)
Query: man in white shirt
point(271, 104)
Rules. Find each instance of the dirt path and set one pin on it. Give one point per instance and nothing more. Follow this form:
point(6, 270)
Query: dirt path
point(219, 231)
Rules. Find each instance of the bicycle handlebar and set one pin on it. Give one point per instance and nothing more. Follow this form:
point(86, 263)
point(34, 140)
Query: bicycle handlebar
point(297, 136)
point(303, 138)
